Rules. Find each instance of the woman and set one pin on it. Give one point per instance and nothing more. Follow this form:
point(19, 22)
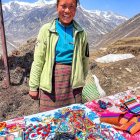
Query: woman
point(60, 61)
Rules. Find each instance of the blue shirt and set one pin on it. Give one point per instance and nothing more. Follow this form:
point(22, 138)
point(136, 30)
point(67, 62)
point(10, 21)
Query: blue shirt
point(65, 44)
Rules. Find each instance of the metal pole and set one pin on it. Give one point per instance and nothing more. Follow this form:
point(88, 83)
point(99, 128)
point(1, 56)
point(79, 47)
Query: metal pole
point(4, 48)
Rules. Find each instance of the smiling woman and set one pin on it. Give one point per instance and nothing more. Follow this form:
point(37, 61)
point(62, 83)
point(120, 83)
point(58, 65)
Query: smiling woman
point(66, 11)
point(60, 63)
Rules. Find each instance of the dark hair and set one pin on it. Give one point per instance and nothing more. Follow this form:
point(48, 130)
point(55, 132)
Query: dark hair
point(77, 2)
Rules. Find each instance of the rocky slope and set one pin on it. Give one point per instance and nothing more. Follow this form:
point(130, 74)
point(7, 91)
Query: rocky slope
point(23, 20)
point(130, 28)
point(121, 75)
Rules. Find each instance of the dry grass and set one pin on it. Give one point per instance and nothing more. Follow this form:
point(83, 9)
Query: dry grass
point(128, 41)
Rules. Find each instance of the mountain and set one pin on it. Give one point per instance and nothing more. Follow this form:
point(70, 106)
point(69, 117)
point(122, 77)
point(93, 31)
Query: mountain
point(23, 20)
point(130, 28)
point(98, 23)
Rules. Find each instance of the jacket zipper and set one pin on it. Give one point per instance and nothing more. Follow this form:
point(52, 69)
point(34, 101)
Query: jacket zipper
point(53, 61)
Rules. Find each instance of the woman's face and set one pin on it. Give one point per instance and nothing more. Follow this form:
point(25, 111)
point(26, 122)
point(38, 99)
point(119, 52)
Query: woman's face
point(66, 11)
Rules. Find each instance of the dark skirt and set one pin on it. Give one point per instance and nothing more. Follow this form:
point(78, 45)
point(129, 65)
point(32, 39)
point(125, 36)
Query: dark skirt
point(62, 93)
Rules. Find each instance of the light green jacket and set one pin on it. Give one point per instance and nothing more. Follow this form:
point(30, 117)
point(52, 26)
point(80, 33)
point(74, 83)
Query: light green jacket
point(44, 58)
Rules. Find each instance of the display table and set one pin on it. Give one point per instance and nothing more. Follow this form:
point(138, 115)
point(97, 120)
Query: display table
point(115, 101)
point(75, 122)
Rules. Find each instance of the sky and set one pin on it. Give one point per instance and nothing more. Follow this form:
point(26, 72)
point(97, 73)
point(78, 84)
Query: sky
point(128, 8)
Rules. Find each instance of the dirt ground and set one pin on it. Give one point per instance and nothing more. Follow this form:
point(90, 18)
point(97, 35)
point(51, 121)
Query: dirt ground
point(121, 75)
point(114, 77)
point(15, 101)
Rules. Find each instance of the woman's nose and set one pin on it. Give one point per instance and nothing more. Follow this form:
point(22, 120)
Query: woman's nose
point(67, 9)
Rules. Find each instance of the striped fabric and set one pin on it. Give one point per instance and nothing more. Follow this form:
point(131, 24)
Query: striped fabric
point(133, 105)
point(133, 126)
point(127, 116)
point(90, 91)
point(62, 94)
point(111, 118)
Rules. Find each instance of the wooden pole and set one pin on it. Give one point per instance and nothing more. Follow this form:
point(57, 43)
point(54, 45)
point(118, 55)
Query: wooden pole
point(4, 48)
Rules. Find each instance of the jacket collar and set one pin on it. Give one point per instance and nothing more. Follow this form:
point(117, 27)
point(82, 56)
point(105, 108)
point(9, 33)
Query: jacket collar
point(75, 24)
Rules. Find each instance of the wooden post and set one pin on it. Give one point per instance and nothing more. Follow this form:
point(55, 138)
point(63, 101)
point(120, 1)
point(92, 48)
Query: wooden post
point(4, 48)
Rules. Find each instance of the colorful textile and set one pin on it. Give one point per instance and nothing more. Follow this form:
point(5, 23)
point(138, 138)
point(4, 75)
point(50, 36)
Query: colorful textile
point(85, 123)
point(75, 120)
point(126, 117)
point(127, 122)
point(62, 94)
point(132, 126)
point(111, 118)
point(116, 101)
point(133, 106)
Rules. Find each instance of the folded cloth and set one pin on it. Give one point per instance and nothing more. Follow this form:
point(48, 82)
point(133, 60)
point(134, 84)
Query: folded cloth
point(126, 117)
point(132, 106)
point(129, 120)
point(111, 118)
point(132, 126)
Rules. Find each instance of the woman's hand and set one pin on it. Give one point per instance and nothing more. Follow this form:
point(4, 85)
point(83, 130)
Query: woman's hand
point(34, 94)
